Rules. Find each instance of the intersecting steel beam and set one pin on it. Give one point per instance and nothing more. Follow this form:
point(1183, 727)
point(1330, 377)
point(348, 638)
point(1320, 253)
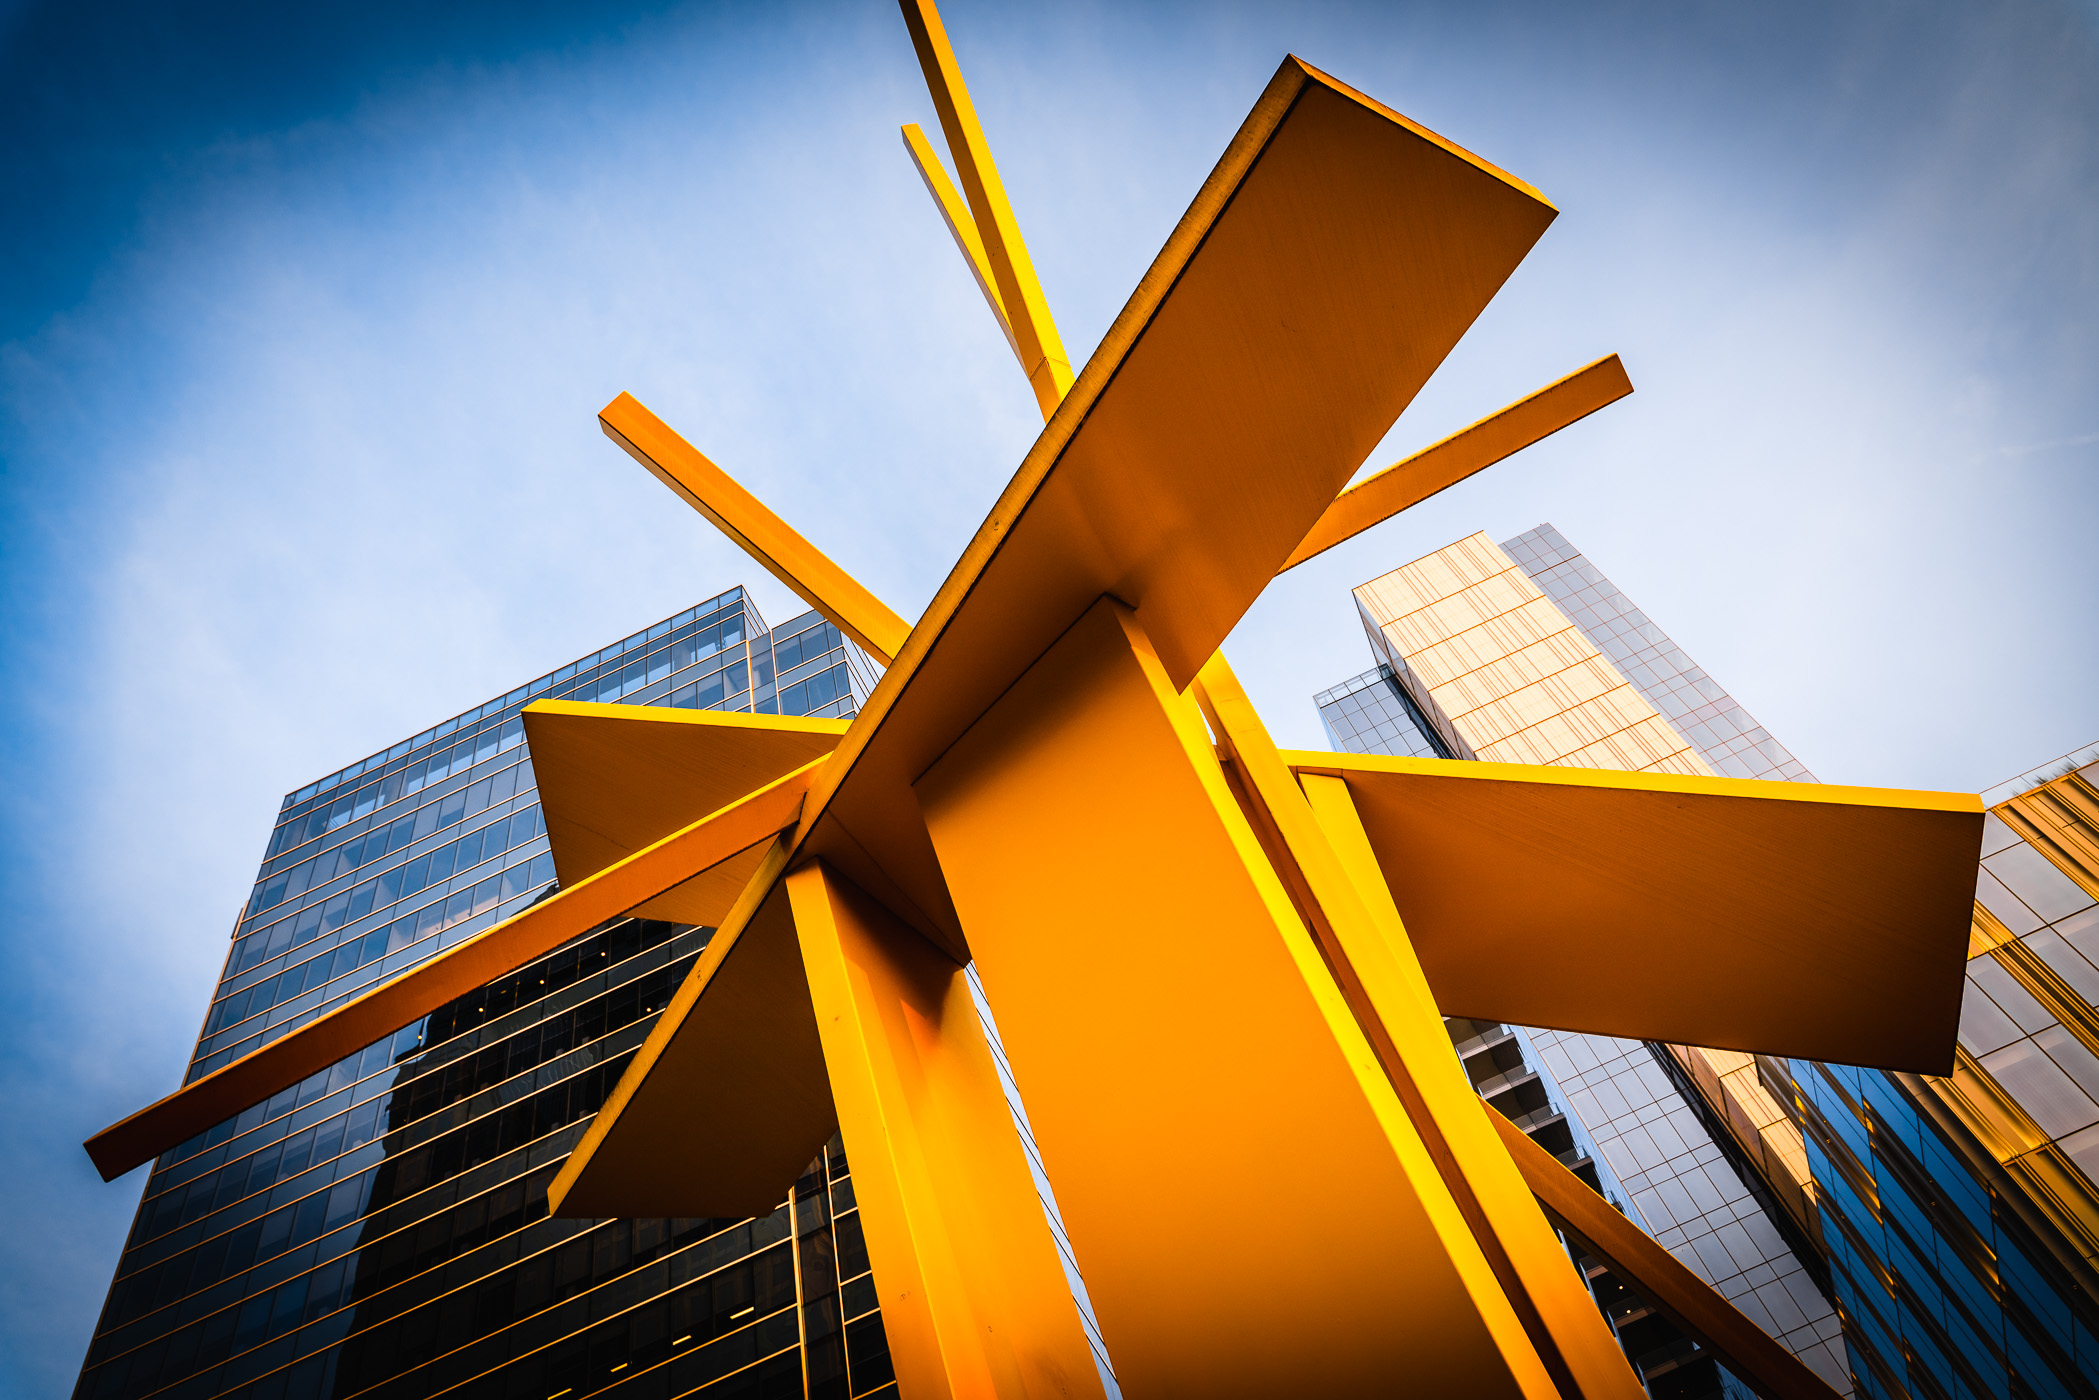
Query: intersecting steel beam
point(761, 534)
point(962, 226)
point(424, 988)
point(1494, 438)
point(1013, 272)
point(1678, 1294)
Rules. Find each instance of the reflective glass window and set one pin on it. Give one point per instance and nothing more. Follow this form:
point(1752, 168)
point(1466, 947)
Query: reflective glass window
point(2072, 966)
point(2004, 989)
point(1983, 1026)
point(2048, 1094)
point(2037, 882)
point(2070, 1053)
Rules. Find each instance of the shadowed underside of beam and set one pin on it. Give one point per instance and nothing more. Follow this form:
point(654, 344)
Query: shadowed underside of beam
point(1804, 919)
point(420, 990)
point(615, 779)
point(718, 1111)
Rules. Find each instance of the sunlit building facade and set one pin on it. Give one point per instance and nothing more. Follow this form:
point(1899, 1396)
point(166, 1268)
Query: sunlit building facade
point(1524, 652)
point(1952, 1223)
point(381, 1229)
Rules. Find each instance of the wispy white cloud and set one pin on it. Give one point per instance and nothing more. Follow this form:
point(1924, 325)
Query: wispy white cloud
point(2025, 449)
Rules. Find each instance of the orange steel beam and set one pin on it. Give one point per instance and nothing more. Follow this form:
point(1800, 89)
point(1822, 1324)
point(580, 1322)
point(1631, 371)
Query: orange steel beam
point(1090, 792)
point(1086, 515)
point(1041, 350)
point(1474, 449)
point(1188, 362)
point(938, 1171)
point(1379, 977)
point(1680, 1295)
point(1805, 919)
point(738, 1094)
point(423, 989)
point(961, 226)
point(763, 535)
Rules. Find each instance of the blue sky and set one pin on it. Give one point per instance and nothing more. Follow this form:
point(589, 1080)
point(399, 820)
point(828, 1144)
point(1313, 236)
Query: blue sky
point(305, 314)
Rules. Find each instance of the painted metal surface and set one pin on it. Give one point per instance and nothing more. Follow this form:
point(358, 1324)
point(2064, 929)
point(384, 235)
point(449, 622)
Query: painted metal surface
point(1662, 906)
point(761, 534)
point(567, 914)
point(1178, 955)
point(1495, 438)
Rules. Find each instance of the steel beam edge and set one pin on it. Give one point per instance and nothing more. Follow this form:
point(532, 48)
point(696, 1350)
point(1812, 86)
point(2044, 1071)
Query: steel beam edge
point(419, 990)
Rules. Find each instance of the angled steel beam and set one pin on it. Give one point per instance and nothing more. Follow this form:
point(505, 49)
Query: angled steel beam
point(962, 227)
point(1013, 272)
point(616, 778)
point(1678, 1294)
point(764, 536)
point(424, 988)
point(937, 1169)
point(1494, 438)
point(1317, 845)
point(735, 1098)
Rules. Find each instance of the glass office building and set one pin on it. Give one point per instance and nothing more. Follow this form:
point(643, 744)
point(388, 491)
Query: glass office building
point(1961, 1215)
point(1953, 1222)
point(1373, 713)
point(381, 1229)
point(1524, 652)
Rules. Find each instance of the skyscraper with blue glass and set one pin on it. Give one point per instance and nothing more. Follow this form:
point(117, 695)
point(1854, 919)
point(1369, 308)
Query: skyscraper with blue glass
point(1961, 1215)
point(381, 1229)
point(1950, 1224)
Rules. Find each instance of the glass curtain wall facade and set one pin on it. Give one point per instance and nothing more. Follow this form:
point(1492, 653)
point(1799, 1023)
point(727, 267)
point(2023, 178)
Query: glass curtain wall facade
point(1959, 1242)
point(1372, 713)
point(1526, 653)
point(1506, 1069)
point(1694, 704)
point(381, 1229)
point(1954, 1222)
point(1961, 1215)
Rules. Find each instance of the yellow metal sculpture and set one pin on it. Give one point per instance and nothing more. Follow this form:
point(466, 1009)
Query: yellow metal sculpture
point(1217, 967)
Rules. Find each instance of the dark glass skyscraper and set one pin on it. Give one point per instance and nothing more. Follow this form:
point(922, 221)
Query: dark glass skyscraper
point(381, 1229)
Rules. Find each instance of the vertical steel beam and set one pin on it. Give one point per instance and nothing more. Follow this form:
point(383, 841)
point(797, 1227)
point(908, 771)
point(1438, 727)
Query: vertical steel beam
point(974, 1299)
point(1252, 1206)
point(1320, 849)
point(1041, 350)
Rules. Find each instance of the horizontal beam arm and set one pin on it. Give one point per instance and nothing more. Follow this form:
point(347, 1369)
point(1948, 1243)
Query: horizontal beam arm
point(761, 534)
point(1474, 449)
point(423, 989)
point(1682, 1296)
point(961, 226)
point(1804, 919)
